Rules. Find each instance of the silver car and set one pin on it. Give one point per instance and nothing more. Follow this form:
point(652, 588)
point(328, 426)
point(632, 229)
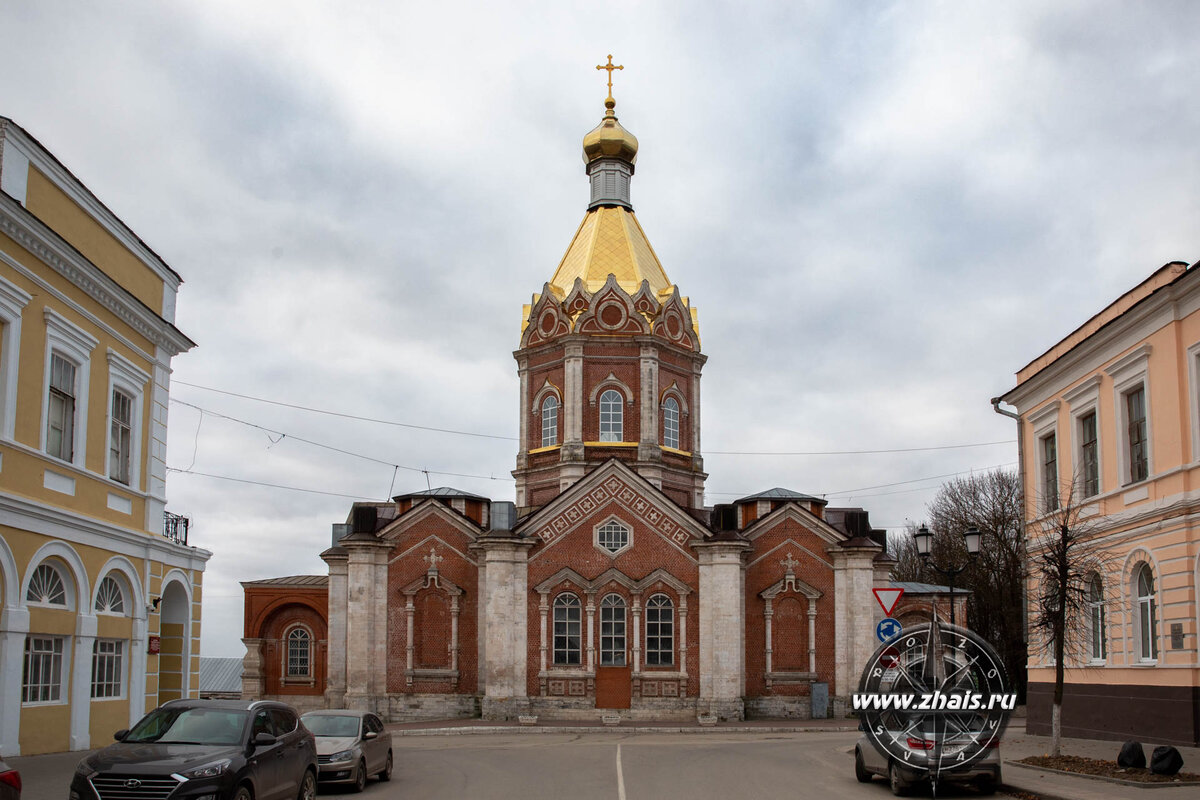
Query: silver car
point(984, 772)
point(351, 745)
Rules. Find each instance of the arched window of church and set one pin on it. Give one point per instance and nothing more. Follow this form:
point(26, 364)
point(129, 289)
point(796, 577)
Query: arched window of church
point(550, 421)
point(612, 631)
point(299, 653)
point(660, 631)
point(671, 423)
point(567, 629)
point(610, 416)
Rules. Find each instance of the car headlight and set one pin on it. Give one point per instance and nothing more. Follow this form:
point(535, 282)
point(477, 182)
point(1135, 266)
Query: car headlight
point(344, 755)
point(207, 770)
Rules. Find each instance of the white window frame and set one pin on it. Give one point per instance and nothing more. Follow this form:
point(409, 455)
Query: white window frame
point(1083, 400)
point(670, 407)
point(76, 345)
point(64, 576)
point(1127, 374)
point(126, 603)
point(550, 431)
point(1151, 603)
point(287, 654)
point(60, 652)
point(1193, 356)
point(618, 632)
point(1097, 621)
point(13, 300)
point(563, 603)
point(126, 377)
point(616, 412)
point(669, 623)
point(1044, 423)
point(605, 526)
point(117, 658)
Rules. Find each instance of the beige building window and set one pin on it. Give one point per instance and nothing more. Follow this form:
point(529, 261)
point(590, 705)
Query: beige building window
point(1135, 432)
point(120, 437)
point(1050, 472)
point(1099, 646)
point(60, 419)
point(109, 597)
point(46, 587)
point(42, 680)
point(107, 668)
point(1147, 614)
point(1089, 453)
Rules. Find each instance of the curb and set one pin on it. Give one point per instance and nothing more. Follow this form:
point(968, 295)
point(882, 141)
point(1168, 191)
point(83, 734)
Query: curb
point(511, 729)
point(1105, 779)
point(1009, 788)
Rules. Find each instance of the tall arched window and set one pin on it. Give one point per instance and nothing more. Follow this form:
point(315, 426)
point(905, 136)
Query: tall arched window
point(549, 421)
point(1099, 648)
point(46, 587)
point(109, 597)
point(660, 631)
point(1147, 615)
point(610, 416)
point(299, 653)
point(612, 631)
point(567, 629)
point(671, 423)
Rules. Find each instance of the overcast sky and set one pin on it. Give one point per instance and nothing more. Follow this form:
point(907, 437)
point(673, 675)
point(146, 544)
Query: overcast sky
point(881, 210)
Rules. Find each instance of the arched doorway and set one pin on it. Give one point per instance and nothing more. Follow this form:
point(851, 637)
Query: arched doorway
point(174, 615)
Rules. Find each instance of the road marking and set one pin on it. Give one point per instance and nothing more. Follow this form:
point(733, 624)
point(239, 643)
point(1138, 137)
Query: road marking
point(620, 776)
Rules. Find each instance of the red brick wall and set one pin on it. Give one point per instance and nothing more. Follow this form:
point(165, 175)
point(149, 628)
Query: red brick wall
point(270, 613)
point(432, 619)
point(789, 630)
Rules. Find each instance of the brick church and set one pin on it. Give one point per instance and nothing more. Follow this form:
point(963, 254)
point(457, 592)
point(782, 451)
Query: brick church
point(608, 587)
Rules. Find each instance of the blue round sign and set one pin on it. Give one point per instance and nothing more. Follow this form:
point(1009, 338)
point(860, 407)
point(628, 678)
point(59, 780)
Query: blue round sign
point(887, 629)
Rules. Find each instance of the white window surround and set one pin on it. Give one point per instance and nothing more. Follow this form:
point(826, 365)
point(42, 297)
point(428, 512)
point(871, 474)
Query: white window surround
point(1128, 373)
point(128, 378)
point(1193, 357)
point(64, 576)
point(75, 345)
point(110, 683)
point(1044, 423)
point(1084, 399)
point(613, 520)
point(1145, 606)
point(13, 300)
point(64, 669)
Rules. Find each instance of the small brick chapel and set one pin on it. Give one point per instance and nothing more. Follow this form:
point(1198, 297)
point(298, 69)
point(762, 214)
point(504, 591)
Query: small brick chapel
point(608, 587)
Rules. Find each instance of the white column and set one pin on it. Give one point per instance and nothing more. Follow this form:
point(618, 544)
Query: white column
point(637, 636)
point(14, 625)
point(81, 682)
point(854, 620)
point(379, 598)
point(768, 614)
point(410, 648)
point(591, 632)
point(544, 644)
point(506, 694)
point(722, 627)
point(683, 640)
point(335, 670)
point(454, 635)
point(812, 634)
point(648, 390)
point(481, 584)
point(137, 667)
point(573, 394)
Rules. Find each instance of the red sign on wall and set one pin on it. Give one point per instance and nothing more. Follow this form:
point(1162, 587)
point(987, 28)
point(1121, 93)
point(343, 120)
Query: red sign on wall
point(154, 646)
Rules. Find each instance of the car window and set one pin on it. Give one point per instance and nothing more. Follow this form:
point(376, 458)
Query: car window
point(210, 726)
point(375, 724)
point(262, 724)
point(338, 725)
point(285, 721)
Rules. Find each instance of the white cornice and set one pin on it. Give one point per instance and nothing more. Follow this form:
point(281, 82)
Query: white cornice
point(1046, 414)
point(49, 166)
point(1128, 363)
point(48, 246)
point(1084, 391)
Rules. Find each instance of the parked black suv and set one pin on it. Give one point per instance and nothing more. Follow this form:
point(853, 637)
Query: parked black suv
point(205, 750)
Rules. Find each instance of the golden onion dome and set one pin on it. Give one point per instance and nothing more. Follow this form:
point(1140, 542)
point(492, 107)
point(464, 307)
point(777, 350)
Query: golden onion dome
point(609, 139)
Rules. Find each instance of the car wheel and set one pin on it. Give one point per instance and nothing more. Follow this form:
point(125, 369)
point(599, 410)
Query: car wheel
point(386, 775)
point(860, 769)
point(899, 787)
point(360, 777)
point(243, 793)
point(308, 787)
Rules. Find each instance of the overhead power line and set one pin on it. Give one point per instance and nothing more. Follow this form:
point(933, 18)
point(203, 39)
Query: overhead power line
point(262, 483)
point(414, 426)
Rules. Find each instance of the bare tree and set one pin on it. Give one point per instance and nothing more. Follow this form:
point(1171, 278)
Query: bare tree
point(1063, 555)
point(903, 548)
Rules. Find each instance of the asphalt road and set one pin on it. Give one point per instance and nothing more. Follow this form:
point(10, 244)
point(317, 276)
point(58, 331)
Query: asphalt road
point(594, 766)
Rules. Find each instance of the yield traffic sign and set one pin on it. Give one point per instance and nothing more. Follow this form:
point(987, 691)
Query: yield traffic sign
point(887, 599)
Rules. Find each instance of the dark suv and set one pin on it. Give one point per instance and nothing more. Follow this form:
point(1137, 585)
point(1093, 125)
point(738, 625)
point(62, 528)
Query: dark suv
point(205, 750)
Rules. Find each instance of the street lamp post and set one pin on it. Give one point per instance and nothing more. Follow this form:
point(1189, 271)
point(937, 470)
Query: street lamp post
point(924, 541)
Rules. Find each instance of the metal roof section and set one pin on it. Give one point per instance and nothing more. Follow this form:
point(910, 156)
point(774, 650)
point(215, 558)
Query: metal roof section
point(220, 674)
point(291, 580)
point(781, 494)
point(912, 587)
point(441, 493)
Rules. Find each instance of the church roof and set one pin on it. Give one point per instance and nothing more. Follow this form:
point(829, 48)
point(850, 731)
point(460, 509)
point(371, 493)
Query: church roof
point(440, 492)
point(610, 240)
point(780, 494)
point(291, 580)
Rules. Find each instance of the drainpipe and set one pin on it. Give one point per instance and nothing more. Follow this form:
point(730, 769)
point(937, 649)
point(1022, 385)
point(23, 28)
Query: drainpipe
point(1021, 481)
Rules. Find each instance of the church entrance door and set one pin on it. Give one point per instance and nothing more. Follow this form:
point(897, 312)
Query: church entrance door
point(614, 687)
point(614, 676)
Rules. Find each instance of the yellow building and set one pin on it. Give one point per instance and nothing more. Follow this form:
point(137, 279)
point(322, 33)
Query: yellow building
point(99, 592)
point(1112, 414)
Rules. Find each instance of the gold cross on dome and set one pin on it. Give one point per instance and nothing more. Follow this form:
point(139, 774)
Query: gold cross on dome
point(610, 67)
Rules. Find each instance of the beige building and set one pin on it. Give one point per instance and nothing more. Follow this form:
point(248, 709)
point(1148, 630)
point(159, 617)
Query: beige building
point(1112, 414)
point(99, 591)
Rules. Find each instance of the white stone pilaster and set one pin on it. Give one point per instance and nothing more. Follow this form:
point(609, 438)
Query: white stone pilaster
point(137, 666)
point(506, 602)
point(14, 625)
point(854, 614)
point(722, 627)
point(81, 682)
point(366, 627)
point(335, 668)
point(253, 683)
